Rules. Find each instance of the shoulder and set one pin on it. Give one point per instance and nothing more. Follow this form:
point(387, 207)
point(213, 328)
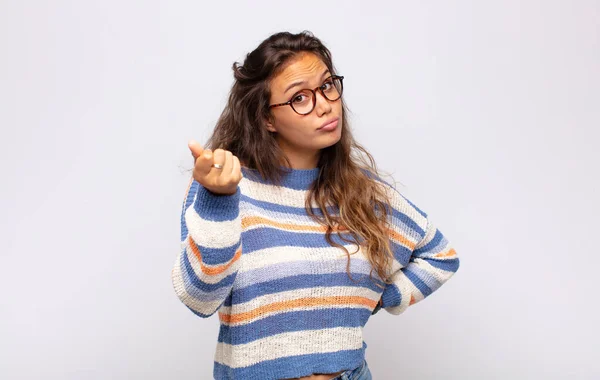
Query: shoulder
point(403, 209)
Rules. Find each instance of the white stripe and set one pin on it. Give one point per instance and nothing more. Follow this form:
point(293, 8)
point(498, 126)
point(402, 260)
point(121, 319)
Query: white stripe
point(423, 267)
point(274, 194)
point(211, 234)
point(187, 299)
point(274, 255)
point(429, 235)
point(289, 344)
point(283, 217)
point(401, 204)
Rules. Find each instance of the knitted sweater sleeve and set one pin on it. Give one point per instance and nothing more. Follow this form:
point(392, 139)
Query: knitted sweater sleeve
point(421, 267)
point(211, 248)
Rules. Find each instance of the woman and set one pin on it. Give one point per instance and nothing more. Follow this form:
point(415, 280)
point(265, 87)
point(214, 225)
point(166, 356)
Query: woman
point(283, 220)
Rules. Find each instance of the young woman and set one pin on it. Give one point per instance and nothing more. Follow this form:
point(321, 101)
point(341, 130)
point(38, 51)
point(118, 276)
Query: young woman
point(290, 233)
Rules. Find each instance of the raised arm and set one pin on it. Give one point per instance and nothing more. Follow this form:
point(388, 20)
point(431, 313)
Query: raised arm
point(211, 229)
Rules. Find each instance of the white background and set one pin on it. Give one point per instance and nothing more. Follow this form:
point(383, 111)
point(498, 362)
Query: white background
point(485, 112)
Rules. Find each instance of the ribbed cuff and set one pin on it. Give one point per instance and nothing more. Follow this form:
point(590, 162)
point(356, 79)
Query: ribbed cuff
point(391, 296)
point(215, 207)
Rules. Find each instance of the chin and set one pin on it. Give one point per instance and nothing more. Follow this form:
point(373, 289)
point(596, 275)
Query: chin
point(332, 140)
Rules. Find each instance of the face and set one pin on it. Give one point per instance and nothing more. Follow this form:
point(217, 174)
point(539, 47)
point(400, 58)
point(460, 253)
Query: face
point(300, 136)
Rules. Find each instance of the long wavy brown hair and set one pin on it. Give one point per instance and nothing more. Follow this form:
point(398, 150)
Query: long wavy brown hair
point(347, 180)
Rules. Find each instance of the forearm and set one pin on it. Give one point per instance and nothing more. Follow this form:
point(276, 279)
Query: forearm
point(433, 262)
point(210, 253)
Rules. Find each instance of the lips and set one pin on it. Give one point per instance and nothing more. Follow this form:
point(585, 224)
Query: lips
point(329, 122)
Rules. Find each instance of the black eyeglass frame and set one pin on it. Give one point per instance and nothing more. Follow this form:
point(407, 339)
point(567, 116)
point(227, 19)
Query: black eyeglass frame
point(314, 97)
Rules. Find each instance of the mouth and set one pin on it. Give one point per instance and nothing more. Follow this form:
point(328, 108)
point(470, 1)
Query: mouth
point(329, 125)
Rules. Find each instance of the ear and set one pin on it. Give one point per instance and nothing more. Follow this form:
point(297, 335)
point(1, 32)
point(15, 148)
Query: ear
point(269, 126)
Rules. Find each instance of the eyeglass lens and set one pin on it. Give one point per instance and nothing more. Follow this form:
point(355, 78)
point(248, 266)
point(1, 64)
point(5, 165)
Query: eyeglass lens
point(303, 102)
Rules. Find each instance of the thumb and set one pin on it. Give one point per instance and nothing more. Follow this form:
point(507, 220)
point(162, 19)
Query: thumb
point(195, 148)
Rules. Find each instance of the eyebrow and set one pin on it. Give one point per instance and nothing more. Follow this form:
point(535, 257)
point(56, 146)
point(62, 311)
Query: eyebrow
point(302, 82)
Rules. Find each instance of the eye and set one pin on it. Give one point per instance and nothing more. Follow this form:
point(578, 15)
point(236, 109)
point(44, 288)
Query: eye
point(299, 98)
point(327, 85)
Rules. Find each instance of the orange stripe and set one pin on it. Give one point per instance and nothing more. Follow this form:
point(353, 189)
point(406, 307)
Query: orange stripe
point(450, 253)
point(412, 300)
point(297, 303)
point(403, 240)
point(250, 221)
point(212, 270)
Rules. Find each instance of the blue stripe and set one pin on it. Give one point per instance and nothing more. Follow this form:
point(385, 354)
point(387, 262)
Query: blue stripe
point(268, 237)
point(186, 203)
point(429, 247)
point(401, 253)
point(189, 199)
point(407, 221)
point(190, 275)
point(294, 366)
point(424, 275)
point(217, 256)
point(422, 286)
point(197, 293)
point(391, 296)
point(298, 320)
point(449, 265)
point(270, 206)
point(303, 281)
point(216, 208)
point(184, 229)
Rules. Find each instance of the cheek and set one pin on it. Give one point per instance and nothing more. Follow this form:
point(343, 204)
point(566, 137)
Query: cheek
point(294, 126)
point(282, 123)
point(338, 108)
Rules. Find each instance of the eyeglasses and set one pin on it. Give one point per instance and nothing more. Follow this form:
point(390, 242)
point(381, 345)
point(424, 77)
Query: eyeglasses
point(304, 101)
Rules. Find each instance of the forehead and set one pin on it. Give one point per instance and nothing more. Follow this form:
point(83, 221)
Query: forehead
point(304, 67)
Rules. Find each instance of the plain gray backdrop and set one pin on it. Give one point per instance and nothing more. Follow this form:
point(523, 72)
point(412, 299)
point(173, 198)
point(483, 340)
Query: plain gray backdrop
point(486, 113)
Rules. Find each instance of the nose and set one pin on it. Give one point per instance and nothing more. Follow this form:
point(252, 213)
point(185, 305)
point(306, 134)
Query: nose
point(322, 105)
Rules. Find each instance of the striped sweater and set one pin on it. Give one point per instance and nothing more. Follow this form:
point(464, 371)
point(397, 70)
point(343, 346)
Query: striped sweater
point(286, 305)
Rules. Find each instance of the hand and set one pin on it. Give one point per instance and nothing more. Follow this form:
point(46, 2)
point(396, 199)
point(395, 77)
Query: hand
point(219, 181)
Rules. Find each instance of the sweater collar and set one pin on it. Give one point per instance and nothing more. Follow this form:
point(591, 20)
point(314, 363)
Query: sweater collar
point(297, 179)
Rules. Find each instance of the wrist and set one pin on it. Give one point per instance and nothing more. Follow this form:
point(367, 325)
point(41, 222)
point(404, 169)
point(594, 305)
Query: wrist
point(216, 193)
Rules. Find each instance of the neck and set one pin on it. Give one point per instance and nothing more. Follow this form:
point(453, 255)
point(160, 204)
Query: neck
point(301, 160)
